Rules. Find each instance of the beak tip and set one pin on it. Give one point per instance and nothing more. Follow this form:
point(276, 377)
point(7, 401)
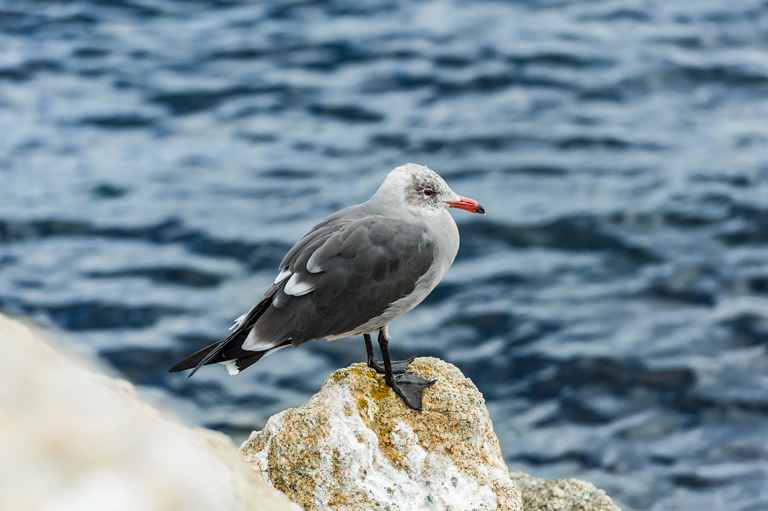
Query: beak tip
point(467, 205)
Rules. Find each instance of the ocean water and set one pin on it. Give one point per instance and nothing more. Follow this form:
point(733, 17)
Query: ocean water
point(159, 157)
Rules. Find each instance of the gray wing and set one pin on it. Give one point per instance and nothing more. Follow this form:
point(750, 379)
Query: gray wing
point(343, 273)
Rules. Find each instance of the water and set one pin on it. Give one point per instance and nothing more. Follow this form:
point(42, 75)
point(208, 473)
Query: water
point(158, 157)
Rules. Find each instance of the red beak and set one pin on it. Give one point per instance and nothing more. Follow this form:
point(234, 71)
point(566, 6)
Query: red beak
point(470, 205)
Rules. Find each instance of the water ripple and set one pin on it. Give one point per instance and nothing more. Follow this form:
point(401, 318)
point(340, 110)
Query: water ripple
point(158, 158)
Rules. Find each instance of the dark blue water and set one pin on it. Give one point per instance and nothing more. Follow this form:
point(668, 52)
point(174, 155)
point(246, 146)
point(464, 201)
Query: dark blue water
point(158, 157)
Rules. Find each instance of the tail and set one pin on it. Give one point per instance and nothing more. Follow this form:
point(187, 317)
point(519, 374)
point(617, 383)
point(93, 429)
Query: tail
point(230, 349)
point(222, 351)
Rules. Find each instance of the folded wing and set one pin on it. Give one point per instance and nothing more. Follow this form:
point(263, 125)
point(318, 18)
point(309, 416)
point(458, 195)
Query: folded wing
point(342, 278)
point(346, 271)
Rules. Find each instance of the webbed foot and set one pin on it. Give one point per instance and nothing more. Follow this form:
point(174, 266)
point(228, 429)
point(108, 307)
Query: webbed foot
point(410, 387)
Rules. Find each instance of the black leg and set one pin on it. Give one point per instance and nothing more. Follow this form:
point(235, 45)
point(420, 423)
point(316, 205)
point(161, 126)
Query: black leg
point(372, 362)
point(407, 385)
point(398, 366)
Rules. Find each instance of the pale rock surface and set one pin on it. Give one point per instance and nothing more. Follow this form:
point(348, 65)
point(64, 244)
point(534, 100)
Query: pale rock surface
point(561, 494)
point(356, 446)
point(71, 440)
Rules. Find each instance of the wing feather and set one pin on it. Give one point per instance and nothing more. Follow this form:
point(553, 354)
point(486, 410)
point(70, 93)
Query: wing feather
point(345, 272)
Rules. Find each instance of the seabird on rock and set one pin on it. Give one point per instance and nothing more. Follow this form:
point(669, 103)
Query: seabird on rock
point(352, 274)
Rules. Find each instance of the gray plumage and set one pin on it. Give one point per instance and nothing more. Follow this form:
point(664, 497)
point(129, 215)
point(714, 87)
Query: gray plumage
point(353, 273)
point(360, 266)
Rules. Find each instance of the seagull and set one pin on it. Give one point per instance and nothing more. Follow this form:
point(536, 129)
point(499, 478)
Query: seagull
point(352, 274)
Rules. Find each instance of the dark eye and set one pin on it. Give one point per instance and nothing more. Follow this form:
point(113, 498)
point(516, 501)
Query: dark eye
point(428, 192)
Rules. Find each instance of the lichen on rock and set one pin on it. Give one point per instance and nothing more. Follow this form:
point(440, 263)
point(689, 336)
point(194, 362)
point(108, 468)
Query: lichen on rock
point(356, 445)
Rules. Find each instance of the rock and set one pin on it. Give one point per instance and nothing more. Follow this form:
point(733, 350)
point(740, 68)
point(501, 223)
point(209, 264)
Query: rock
point(75, 440)
point(561, 494)
point(71, 440)
point(356, 445)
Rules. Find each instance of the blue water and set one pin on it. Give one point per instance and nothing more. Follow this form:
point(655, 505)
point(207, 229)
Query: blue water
point(158, 157)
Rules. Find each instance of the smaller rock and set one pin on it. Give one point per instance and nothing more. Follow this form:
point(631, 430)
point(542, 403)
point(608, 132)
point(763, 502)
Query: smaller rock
point(561, 494)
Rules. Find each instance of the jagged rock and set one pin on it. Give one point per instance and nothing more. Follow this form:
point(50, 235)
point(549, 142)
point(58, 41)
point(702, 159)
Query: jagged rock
point(356, 446)
point(561, 494)
point(71, 440)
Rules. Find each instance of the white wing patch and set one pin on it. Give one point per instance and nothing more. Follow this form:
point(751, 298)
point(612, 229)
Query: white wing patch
point(312, 264)
point(296, 287)
point(239, 321)
point(253, 343)
point(282, 275)
point(231, 366)
point(276, 349)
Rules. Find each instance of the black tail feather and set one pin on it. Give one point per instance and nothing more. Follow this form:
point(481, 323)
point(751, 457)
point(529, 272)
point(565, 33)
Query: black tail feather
point(231, 347)
point(194, 359)
point(227, 349)
point(244, 362)
point(212, 356)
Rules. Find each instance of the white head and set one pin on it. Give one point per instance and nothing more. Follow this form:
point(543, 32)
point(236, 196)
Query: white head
point(421, 191)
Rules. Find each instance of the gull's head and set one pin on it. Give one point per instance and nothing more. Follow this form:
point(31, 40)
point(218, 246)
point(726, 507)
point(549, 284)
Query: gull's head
point(422, 191)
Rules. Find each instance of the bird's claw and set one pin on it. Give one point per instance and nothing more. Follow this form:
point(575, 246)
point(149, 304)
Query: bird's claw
point(398, 366)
